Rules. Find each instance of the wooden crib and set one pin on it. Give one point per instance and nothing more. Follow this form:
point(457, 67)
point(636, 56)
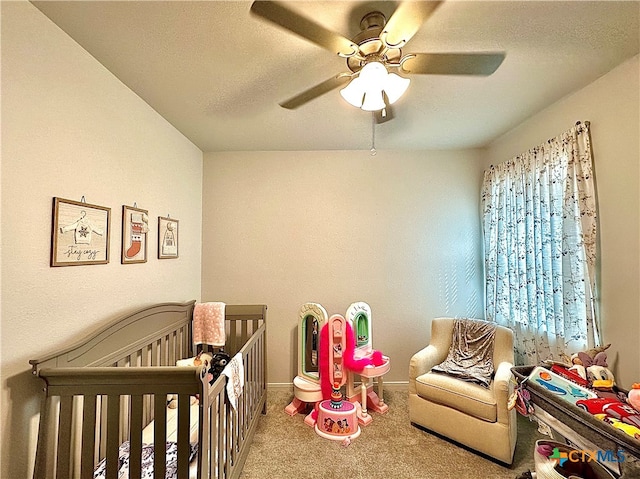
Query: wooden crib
point(107, 391)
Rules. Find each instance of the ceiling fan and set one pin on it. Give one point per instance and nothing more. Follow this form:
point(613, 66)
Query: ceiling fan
point(379, 42)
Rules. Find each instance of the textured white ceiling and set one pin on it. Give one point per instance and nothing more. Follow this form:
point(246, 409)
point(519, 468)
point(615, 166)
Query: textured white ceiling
point(217, 73)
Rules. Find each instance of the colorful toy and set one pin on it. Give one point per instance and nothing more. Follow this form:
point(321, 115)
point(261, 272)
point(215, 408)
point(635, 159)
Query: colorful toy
point(329, 356)
point(629, 429)
point(552, 387)
point(611, 407)
point(592, 368)
point(569, 374)
point(219, 361)
point(336, 419)
point(359, 318)
point(559, 385)
point(633, 397)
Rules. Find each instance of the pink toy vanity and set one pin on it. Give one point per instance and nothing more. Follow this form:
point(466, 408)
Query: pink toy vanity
point(340, 416)
point(359, 317)
point(337, 419)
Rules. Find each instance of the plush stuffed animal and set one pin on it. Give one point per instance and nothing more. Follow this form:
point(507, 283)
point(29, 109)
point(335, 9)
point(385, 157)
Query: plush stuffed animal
point(633, 398)
point(582, 361)
point(600, 376)
point(592, 354)
point(202, 358)
point(574, 359)
point(218, 362)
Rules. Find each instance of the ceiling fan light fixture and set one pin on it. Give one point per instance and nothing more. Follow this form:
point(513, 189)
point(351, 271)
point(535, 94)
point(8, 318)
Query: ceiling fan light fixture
point(373, 76)
point(373, 83)
point(353, 93)
point(373, 101)
point(395, 86)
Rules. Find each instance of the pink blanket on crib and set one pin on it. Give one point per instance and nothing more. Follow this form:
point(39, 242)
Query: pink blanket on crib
point(208, 324)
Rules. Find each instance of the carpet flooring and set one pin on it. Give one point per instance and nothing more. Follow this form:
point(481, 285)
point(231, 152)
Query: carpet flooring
point(390, 447)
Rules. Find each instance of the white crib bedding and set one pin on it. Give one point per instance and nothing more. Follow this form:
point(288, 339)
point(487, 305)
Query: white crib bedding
point(148, 449)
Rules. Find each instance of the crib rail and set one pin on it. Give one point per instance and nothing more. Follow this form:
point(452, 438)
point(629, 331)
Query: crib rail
point(83, 420)
point(231, 430)
point(153, 336)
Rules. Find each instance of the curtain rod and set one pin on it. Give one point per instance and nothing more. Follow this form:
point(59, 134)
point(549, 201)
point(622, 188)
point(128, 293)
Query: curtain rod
point(578, 123)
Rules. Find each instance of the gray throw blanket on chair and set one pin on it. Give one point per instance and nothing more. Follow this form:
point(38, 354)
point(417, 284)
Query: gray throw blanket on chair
point(471, 353)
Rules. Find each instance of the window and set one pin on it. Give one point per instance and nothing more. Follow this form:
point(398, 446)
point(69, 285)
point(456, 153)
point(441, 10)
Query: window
point(539, 222)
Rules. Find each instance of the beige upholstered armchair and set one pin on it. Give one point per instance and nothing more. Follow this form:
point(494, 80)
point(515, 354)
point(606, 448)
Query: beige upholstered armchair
point(465, 412)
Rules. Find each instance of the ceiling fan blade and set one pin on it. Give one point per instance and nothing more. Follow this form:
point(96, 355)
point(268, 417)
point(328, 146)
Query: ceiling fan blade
point(316, 91)
point(406, 21)
point(294, 22)
point(452, 63)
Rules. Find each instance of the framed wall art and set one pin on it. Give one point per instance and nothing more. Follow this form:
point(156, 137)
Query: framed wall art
point(167, 237)
point(79, 233)
point(135, 226)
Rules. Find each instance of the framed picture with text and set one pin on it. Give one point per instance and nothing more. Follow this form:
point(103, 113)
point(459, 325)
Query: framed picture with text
point(79, 233)
point(167, 238)
point(135, 226)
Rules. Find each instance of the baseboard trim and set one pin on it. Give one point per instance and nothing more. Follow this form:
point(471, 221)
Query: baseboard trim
point(387, 385)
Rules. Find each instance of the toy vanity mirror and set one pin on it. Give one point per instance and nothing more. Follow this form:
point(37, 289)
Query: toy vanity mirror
point(312, 317)
point(359, 316)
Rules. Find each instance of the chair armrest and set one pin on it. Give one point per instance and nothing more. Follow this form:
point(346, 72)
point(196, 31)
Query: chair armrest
point(422, 362)
point(502, 388)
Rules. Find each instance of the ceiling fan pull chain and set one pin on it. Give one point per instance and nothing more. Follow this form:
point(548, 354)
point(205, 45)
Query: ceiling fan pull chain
point(373, 134)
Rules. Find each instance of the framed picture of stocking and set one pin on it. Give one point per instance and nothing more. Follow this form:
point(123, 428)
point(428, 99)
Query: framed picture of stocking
point(135, 226)
point(167, 237)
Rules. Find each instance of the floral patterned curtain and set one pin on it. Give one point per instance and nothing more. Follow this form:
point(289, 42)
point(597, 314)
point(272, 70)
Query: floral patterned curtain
point(539, 220)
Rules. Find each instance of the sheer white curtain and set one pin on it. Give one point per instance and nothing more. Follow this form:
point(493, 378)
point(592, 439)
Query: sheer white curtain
point(539, 220)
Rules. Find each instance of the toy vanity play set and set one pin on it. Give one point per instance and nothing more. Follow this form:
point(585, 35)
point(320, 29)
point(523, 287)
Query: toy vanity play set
point(332, 352)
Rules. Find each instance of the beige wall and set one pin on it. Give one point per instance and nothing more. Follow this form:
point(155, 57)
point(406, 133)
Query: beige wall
point(400, 230)
point(611, 104)
point(70, 128)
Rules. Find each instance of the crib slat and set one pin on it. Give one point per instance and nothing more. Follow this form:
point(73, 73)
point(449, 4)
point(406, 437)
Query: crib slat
point(163, 351)
point(147, 355)
point(113, 433)
point(88, 436)
point(63, 467)
point(154, 353)
point(183, 435)
point(160, 436)
point(243, 332)
point(124, 406)
point(44, 443)
point(171, 357)
point(228, 430)
point(232, 336)
point(135, 440)
point(220, 434)
point(205, 433)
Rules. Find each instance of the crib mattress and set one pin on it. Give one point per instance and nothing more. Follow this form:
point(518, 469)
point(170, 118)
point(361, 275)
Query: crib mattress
point(581, 422)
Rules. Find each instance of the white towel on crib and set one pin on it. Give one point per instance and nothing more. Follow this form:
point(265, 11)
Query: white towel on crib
point(235, 372)
point(208, 324)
